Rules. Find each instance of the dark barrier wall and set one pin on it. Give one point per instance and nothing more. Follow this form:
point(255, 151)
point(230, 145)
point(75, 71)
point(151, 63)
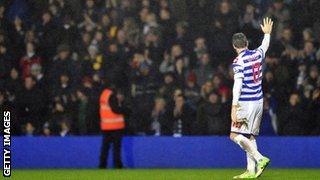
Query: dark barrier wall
point(162, 152)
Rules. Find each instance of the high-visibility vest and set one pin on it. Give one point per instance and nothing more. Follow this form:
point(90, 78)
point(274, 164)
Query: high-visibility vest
point(108, 119)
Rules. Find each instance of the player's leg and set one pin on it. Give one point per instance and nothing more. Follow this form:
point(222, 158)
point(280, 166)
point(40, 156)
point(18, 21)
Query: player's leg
point(248, 112)
point(246, 145)
point(106, 140)
point(242, 128)
point(262, 163)
point(251, 163)
point(238, 135)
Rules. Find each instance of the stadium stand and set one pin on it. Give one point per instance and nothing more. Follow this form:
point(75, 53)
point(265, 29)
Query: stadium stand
point(170, 58)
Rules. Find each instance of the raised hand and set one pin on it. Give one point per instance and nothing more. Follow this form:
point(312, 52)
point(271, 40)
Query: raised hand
point(266, 27)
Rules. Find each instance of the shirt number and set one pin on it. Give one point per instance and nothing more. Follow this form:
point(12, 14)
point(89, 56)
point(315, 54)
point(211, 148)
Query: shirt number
point(256, 72)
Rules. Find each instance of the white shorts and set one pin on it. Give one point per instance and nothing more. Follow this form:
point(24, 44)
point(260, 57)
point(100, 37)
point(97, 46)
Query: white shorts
point(251, 112)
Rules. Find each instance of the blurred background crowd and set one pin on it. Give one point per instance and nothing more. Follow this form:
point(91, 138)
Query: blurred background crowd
point(169, 58)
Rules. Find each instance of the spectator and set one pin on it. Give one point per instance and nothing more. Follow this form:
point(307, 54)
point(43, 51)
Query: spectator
point(308, 54)
point(82, 113)
point(217, 84)
point(13, 85)
point(313, 80)
point(64, 129)
point(29, 130)
point(302, 68)
point(28, 60)
point(181, 35)
point(198, 51)
point(5, 61)
point(31, 105)
point(58, 115)
point(82, 46)
point(45, 30)
point(287, 37)
point(180, 72)
point(192, 90)
point(268, 84)
point(314, 110)
point(91, 10)
point(31, 38)
point(114, 66)
point(167, 64)
point(143, 91)
point(168, 87)
point(160, 119)
point(269, 125)
point(46, 130)
point(224, 25)
point(183, 118)
point(308, 35)
point(68, 32)
point(249, 23)
point(86, 118)
point(3, 21)
point(281, 15)
point(166, 23)
point(63, 64)
point(204, 70)
point(18, 34)
point(98, 41)
point(37, 72)
point(292, 119)
point(92, 88)
point(206, 88)
point(64, 92)
point(210, 116)
point(92, 63)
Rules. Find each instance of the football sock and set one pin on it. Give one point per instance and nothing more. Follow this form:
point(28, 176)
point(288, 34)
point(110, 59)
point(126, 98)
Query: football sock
point(248, 146)
point(251, 163)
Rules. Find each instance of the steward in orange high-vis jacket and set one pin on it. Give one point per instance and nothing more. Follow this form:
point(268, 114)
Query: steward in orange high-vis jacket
point(112, 124)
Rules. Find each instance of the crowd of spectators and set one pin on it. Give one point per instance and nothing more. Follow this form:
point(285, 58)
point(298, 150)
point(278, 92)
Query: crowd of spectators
point(170, 58)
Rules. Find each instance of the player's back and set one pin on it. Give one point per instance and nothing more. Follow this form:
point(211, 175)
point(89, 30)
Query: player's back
point(249, 65)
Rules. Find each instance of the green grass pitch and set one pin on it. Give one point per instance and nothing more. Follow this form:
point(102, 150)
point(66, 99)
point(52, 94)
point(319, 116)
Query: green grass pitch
point(165, 174)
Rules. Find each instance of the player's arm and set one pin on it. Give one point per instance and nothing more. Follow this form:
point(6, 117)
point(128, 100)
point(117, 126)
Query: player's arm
point(236, 91)
point(266, 27)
